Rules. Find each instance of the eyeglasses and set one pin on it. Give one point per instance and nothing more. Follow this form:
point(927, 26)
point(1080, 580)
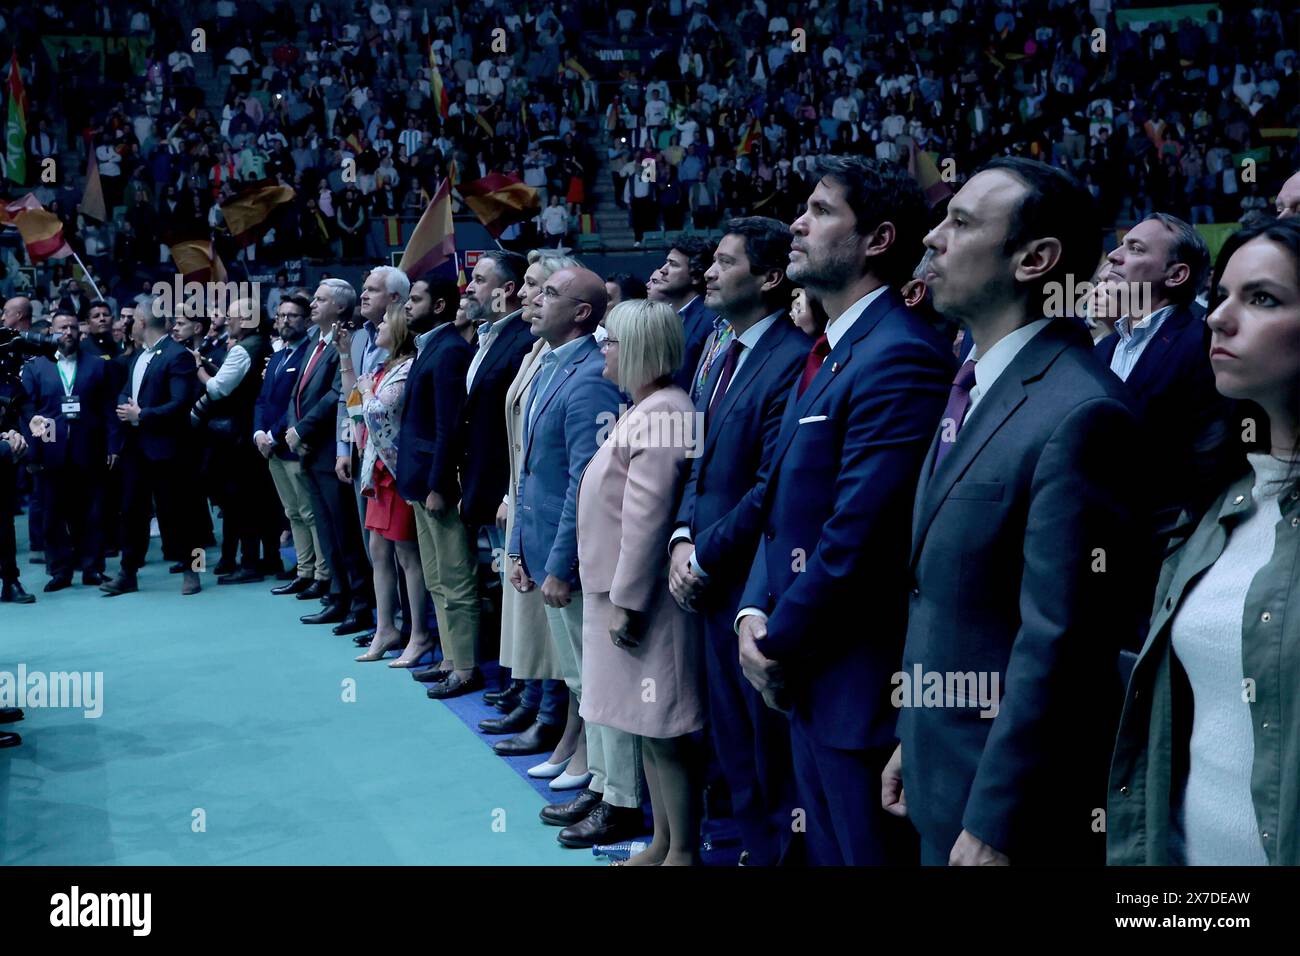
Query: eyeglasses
point(609, 341)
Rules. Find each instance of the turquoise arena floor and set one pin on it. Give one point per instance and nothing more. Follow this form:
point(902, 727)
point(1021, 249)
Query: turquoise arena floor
point(225, 739)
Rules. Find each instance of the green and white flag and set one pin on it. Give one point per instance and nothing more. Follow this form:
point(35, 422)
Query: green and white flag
point(16, 127)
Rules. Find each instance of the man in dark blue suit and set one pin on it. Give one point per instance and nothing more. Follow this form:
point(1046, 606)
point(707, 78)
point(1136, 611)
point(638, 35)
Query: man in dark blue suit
point(153, 442)
point(312, 577)
point(68, 406)
point(823, 613)
point(713, 545)
point(569, 404)
point(1026, 544)
point(1163, 353)
point(680, 283)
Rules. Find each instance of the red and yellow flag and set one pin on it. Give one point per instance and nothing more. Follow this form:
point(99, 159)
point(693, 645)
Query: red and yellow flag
point(248, 212)
point(434, 240)
point(92, 200)
point(923, 169)
point(436, 87)
point(197, 260)
point(42, 231)
point(750, 138)
point(500, 200)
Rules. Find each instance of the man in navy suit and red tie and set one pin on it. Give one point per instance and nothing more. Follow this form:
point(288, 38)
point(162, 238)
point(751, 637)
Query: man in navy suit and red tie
point(1027, 543)
point(823, 615)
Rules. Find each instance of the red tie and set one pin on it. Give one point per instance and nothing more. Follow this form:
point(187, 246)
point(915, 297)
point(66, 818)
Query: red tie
point(821, 348)
point(306, 374)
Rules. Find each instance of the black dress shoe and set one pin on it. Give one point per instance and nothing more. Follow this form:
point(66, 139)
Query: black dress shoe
point(514, 687)
point(122, 584)
point(521, 718)
point(604, 825)
point(57, 584)
point(454, 686)
point(92, 578)
point(356, 621)
point(178, 567)
point(537, 738)
point(225, 567)
point(242, 576)
point(9, 740)
point(296, 586)
point(13, 593)
point(10, 715)
point(431, 675)
point(567, 814)
point(363, 640)
point(330, 614)
point(318, 589)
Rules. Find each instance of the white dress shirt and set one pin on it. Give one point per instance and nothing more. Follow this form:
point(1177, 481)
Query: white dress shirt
point(486, 339)
point(989, 367)
point(233, 369)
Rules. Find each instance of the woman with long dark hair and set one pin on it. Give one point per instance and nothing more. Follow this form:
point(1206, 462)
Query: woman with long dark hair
point(1207, 762)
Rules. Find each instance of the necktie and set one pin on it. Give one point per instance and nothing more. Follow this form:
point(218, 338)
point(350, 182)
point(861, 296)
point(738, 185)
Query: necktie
point(306, 374)
point(955, 412)
point(821, 348)
point(722, 334)
point(724, 377)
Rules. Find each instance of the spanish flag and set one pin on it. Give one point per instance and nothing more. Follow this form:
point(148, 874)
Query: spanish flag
point(437, 90)
point(922, 168)
point(16, 128)
point(749, 139)
point(482, 122)
point(500, 200)
point(577, 67)
point(392, 230)
point(197, 260)
point(92, 199)
point(434, 240)
point(248, 212)
point(42, 231)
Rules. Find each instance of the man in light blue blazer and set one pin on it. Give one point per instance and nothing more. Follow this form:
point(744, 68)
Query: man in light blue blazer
point(569, 407)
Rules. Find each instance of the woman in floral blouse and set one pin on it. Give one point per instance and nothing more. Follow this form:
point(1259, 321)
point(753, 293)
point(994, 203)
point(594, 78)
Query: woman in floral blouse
point(389, 519)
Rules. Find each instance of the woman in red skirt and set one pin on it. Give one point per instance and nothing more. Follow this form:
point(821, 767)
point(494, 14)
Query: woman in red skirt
point(389, 519)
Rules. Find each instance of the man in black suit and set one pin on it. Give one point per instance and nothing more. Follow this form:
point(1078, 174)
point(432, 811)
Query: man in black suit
point(1026, 543)
point(680, 283)
point(1163, 353)
point(69, 406)
point(12, 449)
point(99, 337)
point(308, 428)
point(153, 445)
point(74, 300)
point(713, 545)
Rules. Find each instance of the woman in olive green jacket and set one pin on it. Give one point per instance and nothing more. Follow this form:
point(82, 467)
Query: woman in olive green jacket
point(1207, 762)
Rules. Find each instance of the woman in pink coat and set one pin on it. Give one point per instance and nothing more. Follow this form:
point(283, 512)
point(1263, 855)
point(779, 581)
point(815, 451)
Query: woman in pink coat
point(641, 670)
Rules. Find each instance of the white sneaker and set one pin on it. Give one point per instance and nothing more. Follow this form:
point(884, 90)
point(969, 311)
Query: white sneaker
point(546, 770)
point(568, 781)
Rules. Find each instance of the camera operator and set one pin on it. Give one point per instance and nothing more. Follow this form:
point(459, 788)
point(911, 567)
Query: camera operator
point(16, 318)
point(68, 406)
point(225, 412)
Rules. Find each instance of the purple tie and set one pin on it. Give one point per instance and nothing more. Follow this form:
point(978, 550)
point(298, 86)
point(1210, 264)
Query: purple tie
point(955, 412)
point(724, 378)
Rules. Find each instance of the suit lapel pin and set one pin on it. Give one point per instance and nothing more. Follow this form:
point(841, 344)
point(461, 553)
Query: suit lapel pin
point(835, 367)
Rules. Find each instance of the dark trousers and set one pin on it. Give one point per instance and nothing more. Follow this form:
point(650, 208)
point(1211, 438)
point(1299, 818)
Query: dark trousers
point(70, 510)
point(8, 505)
point(752, 743)
point(840, 790)
point(249, 510)
point(35, 517)
point(340, 533)
point(164, 488)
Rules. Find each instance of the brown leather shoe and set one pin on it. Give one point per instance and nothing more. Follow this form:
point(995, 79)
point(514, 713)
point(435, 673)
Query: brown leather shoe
point(190, 583)
point(567, 814)
point(605, 824)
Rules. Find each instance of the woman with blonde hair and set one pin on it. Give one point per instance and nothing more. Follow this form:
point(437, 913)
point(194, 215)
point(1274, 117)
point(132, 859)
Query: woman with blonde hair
point(641, 653)
point(389, 519)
